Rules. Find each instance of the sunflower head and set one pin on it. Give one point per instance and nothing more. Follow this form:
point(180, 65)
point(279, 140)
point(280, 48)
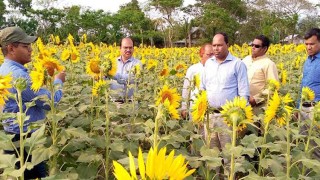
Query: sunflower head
point(74, 55)
point(158, 165)
point(37, 79)
point(109, 66)
point(181, 68)
point(65, 55)
point(51, 65)
point(99, 87)
point(152, 64)
point(200, 107)
point(278, 109)
point(169, 94)
point(93, 68)
point(5, 84)
point(164, 72)
point(238, 112)
point(196, 80)
point(273, 85)
point(307, 94)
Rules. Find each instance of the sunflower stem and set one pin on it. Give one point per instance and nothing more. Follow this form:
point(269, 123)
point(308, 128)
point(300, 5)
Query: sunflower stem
point(156, 126)
point(208, 138)
point(91, 110)
point(21, 123)
point(107, 138)
point(54, 130)
point(288, 149)
point(234, 138)
point(263, 149)
point(306, 149)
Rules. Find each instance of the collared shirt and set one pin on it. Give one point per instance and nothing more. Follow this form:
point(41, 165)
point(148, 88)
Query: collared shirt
point(260, 70)
point(123, 78)
point(191, 72)
point(224, 81)
point(36, 112)
point(311, 75)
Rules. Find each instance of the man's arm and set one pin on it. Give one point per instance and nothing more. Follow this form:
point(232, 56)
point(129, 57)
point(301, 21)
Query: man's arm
point(28, 94)
point(243, 83)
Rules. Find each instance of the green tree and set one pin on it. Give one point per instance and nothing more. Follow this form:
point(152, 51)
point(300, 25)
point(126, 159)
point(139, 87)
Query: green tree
point(168, 8)
point(133, 21)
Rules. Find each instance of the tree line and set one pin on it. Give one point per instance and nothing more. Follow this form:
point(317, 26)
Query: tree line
point(240, 19)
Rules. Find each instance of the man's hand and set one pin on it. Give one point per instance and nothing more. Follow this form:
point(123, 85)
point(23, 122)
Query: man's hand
point(184, 114)
point(61, 76)
point(252, 101)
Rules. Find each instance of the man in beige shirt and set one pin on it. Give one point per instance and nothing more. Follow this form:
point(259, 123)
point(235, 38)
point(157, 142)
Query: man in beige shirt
point(260, 69)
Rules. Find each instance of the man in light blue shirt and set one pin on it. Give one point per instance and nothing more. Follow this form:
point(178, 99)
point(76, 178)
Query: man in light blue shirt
point(224, 78)
point(311, 79)
point(124, 75)
point(16, 47)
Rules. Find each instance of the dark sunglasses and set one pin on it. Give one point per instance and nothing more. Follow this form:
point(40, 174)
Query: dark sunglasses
point(256, 45)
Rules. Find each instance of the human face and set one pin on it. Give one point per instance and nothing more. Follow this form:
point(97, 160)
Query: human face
point(126, 49)
point(257, 49)
point(220, 47)
point(207, 53)
point(313, 45)
point(20, 52)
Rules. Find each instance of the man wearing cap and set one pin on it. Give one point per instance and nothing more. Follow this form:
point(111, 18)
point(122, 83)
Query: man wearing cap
point(16, 48)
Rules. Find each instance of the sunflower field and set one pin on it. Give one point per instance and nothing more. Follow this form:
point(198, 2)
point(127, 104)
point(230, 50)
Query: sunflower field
point(87, 136)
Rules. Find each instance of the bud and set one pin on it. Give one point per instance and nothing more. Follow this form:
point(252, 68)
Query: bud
point(20, 84)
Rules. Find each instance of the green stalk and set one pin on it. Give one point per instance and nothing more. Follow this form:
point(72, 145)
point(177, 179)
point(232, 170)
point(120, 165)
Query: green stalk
point(107, 137)
point(54, 131)
point(208, 138)
point(156, 127)
point(263, 149)
point(91, 110)
point(234, 138)
point(21, 123)
point(306, 149)
point(288, 149)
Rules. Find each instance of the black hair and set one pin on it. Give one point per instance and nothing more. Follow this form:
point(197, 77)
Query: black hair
point(225, 37)
point(265, 40)
point(312, 32)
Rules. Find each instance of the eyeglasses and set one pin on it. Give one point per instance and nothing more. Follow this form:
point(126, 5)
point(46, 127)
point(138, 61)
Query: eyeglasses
point(256, 45)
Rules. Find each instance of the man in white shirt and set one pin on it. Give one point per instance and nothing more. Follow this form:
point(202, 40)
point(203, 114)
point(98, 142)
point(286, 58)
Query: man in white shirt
point(189, 92)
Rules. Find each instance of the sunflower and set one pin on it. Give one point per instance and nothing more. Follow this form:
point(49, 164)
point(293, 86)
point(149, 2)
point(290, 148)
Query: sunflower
point(181, 68)
point(57, 40)
point(5, 84)
point(52, 65)
point(70, 39)
point(65, 54)
point(278, 109)
point(74, 55)
point(196, 80)
point(164, 72)
point(172, 110)
point(284, 76)
point(273, 85)
point(307, 94)
point(99, 87)
point(238, 112)
point(170, 94)
point(109, 66)
point(157, 166)
point(37, 79)
point(93, 68)
point(151, 64)
point(200, 106)
point(137, 70)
